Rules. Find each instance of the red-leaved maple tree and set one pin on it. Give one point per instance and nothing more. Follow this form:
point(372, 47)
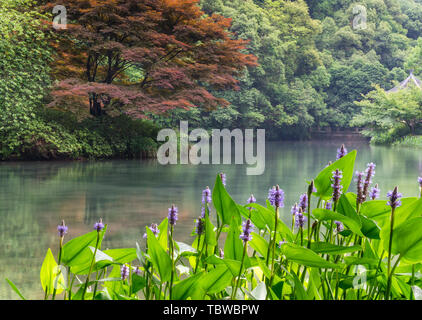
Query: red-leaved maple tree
point(144, 55)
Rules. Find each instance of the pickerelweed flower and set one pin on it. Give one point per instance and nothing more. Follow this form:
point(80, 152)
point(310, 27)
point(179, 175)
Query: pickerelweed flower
point(359, 184)
point(374, 193)
point(202, 212)
point(420, 181)
point(295, 209)
point(341, 152)
point(138, 271)
point(337, 187)
point(206, 195)
point(251, 200)
point(154, 229)
point(281, 243)
point(300, 220)
point(328, 205)
point(124, 272)
point(339, 226)
point(370, 172)
point(394, 198)
point(221, 253)
point(276, 197)
point(247, 229)
point(200, 226)
point(172, 215)
point(99, 225)
point(223, 178)
point(303, 201)
point(62, 229)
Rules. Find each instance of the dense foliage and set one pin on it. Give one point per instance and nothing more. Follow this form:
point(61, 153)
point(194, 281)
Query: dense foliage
point(340, 245)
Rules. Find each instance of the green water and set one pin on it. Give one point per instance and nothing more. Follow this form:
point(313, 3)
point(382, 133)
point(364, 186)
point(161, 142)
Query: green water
point(128, 195)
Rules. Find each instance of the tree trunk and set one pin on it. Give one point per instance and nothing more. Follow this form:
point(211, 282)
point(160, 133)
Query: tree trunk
point(95, 105)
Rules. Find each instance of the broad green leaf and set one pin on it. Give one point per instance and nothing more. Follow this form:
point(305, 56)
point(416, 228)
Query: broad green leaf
point(346, 208)
point(122, 256)
point(216, 280)
point(268, 215)
point(77, 252)
point(305, 256)
point(51, 276)
point(259, 244)
point(327, 215)
point(370, 228)
point(323, 180)
point(407, 240)
point(138, 283)
point(159, 257)
point(189, 288)
point(224, 205)
point(210, 234)
point(163, 235)
point(233, 247)
point(325, 247)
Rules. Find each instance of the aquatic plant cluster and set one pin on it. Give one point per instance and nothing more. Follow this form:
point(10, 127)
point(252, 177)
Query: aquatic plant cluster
point(340, 246)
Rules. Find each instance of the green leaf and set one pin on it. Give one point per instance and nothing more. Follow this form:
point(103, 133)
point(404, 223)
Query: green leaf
point(259, 244)
point(407, 240)
point(305, 256)
point(138, 283)
point(224, 205)
point(369, 228)
point(268, 215)
point(216, 280)
point(15, 289)
point(77, 252)
point(325, 247)
point(159, 257)
point(327, 215)
point(50, 275)
point(162, 236)
point(189, 288)
point(233, 247)
point(323, 180)
point(346, 208)
point(122, 256)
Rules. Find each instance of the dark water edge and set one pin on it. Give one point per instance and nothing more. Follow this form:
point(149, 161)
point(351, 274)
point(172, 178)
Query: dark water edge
point(130, 194)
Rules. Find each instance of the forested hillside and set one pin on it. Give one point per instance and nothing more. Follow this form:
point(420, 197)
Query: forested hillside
point(313, 63)
point(290, 67)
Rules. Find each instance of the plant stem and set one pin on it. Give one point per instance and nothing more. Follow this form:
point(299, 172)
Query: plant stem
point(91, 266)
point(240, 270)
point(390, 243)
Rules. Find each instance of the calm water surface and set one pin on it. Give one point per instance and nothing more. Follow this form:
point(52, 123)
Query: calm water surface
point(128, 195)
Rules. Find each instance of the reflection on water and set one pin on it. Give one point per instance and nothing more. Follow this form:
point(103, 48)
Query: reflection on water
point(128, 195)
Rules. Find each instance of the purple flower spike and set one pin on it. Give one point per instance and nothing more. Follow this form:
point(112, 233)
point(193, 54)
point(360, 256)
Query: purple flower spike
point(276, 197)
point(172, 216)
point(154, 229)
point(281, 243)
point(221, 253)
point(206, 195)
point(359, 183)
point(251, 200)
point(303, 201)
point(341, 152)
point(200, 226)
point(99, 225)
point(124, 272)
point(223, 178)
point(374, 193)
point(337, 187)
point(138, 271)
point(370, 172)
point(420, 181)
point(62, 229)
point(247, 229)
point(329, 205)
point(300, 220)
point(295, 209)
point(339, 226)
point(394, 198)
point(202, 212)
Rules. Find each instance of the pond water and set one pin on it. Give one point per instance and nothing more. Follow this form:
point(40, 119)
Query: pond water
point(128, 195)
